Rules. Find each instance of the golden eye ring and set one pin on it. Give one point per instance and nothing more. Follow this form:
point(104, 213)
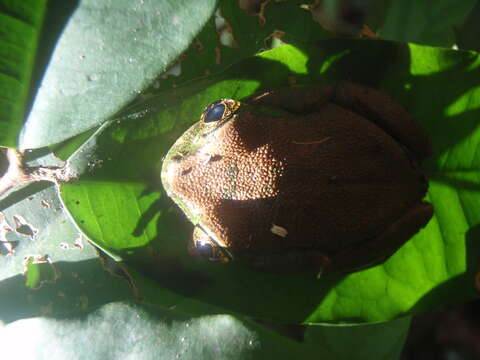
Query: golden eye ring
point(219, 111)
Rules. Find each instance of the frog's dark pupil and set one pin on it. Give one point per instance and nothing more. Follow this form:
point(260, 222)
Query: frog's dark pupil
point(214, 112)
point(205, 250)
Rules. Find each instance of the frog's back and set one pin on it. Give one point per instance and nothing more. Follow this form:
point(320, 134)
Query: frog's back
point(345, 179)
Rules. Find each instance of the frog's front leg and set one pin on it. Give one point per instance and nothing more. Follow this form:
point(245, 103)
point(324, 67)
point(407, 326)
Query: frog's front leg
point(202, 245)
point(388, 242)
point(387, 114)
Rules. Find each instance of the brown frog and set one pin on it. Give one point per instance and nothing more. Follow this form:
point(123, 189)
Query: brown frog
point(319, 177)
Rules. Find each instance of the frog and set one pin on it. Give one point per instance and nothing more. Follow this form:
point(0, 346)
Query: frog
point(319, 177)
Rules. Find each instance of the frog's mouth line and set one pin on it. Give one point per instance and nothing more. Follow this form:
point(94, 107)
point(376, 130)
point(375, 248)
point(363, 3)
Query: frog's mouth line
point(206, 132)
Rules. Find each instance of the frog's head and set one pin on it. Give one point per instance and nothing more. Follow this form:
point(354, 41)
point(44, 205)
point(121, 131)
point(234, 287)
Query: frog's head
point(222, 158)
point(199, 140)
point(197, 146)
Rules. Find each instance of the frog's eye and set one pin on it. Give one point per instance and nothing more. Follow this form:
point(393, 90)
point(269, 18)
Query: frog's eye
point(214, 112)
point(205, 250)
point(202, 245)
point(220, 110)
point(209, 251)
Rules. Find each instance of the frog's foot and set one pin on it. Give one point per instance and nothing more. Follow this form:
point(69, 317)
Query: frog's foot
point(386, 113)
point(382, 247)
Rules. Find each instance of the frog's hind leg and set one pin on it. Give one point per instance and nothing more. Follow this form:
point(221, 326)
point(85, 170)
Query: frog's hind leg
point(381, 248)
point(386, 113)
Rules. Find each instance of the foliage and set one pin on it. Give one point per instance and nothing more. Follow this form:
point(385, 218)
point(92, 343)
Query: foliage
point(115, 83)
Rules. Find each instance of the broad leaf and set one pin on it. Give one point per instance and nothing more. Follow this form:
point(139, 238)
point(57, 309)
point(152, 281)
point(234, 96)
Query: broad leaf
point(21, 24)
point(108, 52)
point(422, 21)
point(436, 267)
point(47, 266)
point(146, 332)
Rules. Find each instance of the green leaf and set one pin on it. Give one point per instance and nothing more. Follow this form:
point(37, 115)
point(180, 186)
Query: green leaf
point(146, 332)
point(436, 267)
point(468, 33)
point(39, 270)
point(21, 24)
point(423, 21)
point(48, 267)
point(288, 20)
point(232, 34)
point(107, 53)
point(115, 200)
